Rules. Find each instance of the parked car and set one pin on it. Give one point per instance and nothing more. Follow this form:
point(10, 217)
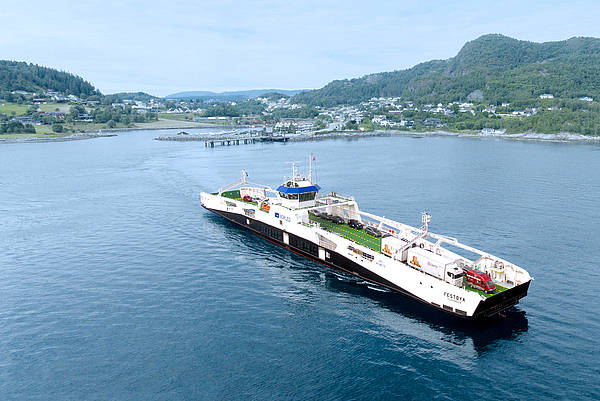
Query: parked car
point(355, 224)
point(316, 213)
point(337, 220)
point(373, 231)
point(326, 216)
point(480, 280)
point(247, 198)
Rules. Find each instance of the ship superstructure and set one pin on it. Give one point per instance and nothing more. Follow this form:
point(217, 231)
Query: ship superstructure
point(332, 230)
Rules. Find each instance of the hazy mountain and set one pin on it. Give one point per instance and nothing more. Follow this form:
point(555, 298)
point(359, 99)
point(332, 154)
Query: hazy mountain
point(232, 95)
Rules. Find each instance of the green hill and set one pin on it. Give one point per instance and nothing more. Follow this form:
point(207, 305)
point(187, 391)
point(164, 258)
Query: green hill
point(140, 96)
point(17, 75)
point(493, 68)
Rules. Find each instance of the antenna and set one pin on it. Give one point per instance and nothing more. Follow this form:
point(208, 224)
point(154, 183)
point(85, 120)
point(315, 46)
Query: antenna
point(311, 160)
point(425, 219)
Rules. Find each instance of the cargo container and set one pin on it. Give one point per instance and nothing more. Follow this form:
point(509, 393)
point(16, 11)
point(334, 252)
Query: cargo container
point(390, 246)
point(436, 265)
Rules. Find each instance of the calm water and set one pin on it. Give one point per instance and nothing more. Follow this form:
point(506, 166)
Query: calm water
point(116, 284)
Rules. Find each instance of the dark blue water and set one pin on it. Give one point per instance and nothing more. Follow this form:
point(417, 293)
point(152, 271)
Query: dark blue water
point(116, 284)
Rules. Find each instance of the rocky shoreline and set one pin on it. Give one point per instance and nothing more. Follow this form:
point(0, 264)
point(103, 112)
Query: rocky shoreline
point(66, 138)
point(529, 136)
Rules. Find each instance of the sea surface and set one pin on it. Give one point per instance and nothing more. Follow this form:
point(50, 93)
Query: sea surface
point(115, 284)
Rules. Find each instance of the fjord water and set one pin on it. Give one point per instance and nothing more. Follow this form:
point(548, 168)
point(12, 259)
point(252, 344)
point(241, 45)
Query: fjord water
point(116, 284)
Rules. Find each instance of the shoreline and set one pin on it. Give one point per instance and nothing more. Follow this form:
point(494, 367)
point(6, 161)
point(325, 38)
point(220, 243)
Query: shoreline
point(105, 132)
point(563, 137)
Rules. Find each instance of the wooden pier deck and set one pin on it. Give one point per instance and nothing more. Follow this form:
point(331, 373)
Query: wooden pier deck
point(211, 142)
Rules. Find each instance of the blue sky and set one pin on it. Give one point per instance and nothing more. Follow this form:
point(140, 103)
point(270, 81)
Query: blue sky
point(170, 46)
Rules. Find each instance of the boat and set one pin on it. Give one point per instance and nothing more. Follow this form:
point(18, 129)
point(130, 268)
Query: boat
point(273, 138)
point(331, 229)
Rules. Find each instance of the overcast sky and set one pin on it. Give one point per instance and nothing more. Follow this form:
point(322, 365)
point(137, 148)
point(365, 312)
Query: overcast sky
point(171, 46)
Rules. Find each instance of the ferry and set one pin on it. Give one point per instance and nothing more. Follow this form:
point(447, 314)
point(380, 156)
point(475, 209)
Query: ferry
point(332, 230)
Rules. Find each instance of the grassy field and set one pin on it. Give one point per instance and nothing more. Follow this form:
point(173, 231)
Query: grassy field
point(178, 117)
point(190, 116)
point(70, 128)
point(36, 135)
point(166, 123)
point(9, 108)
point(62, 107)
point(43, 129)
point(87, 127)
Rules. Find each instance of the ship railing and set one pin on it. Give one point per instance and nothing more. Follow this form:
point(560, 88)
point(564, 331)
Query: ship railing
point(309, 224)
point(390, 223)
point(321, 203)
point(440, 238)
point(335, 195)
point(411, 242)
point(241, 182)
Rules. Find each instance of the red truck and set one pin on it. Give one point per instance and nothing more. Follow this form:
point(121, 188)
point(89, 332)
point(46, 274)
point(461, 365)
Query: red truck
point(481, 281)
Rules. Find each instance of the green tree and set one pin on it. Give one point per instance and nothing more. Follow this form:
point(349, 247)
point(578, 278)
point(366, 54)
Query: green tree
point(76, 110)
point(58, 128)
point(351, 125)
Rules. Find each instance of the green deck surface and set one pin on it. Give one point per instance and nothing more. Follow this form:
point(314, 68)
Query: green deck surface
point(499, 289)
point(232, 194)
point(358, 236)
point(235, 195)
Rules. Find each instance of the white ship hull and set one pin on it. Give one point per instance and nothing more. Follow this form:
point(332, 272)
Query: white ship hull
point(291, 229)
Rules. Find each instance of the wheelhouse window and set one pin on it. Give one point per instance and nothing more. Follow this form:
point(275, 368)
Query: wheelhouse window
point(291, 196)
point(307, 196)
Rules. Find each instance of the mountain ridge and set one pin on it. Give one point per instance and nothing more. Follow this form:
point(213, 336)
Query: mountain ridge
point(230, 95)
point(502, 68)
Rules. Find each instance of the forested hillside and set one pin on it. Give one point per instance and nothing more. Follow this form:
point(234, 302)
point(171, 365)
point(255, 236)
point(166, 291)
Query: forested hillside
point(492, 68)
point(16, 75)
point(140, 96)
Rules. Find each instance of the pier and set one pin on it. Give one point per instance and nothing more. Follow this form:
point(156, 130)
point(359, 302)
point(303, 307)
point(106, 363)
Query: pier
point(211, 142)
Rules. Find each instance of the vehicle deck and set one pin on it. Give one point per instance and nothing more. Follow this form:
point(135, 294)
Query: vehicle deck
point(499, 289)
point(235, 194)
point(358, 236)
